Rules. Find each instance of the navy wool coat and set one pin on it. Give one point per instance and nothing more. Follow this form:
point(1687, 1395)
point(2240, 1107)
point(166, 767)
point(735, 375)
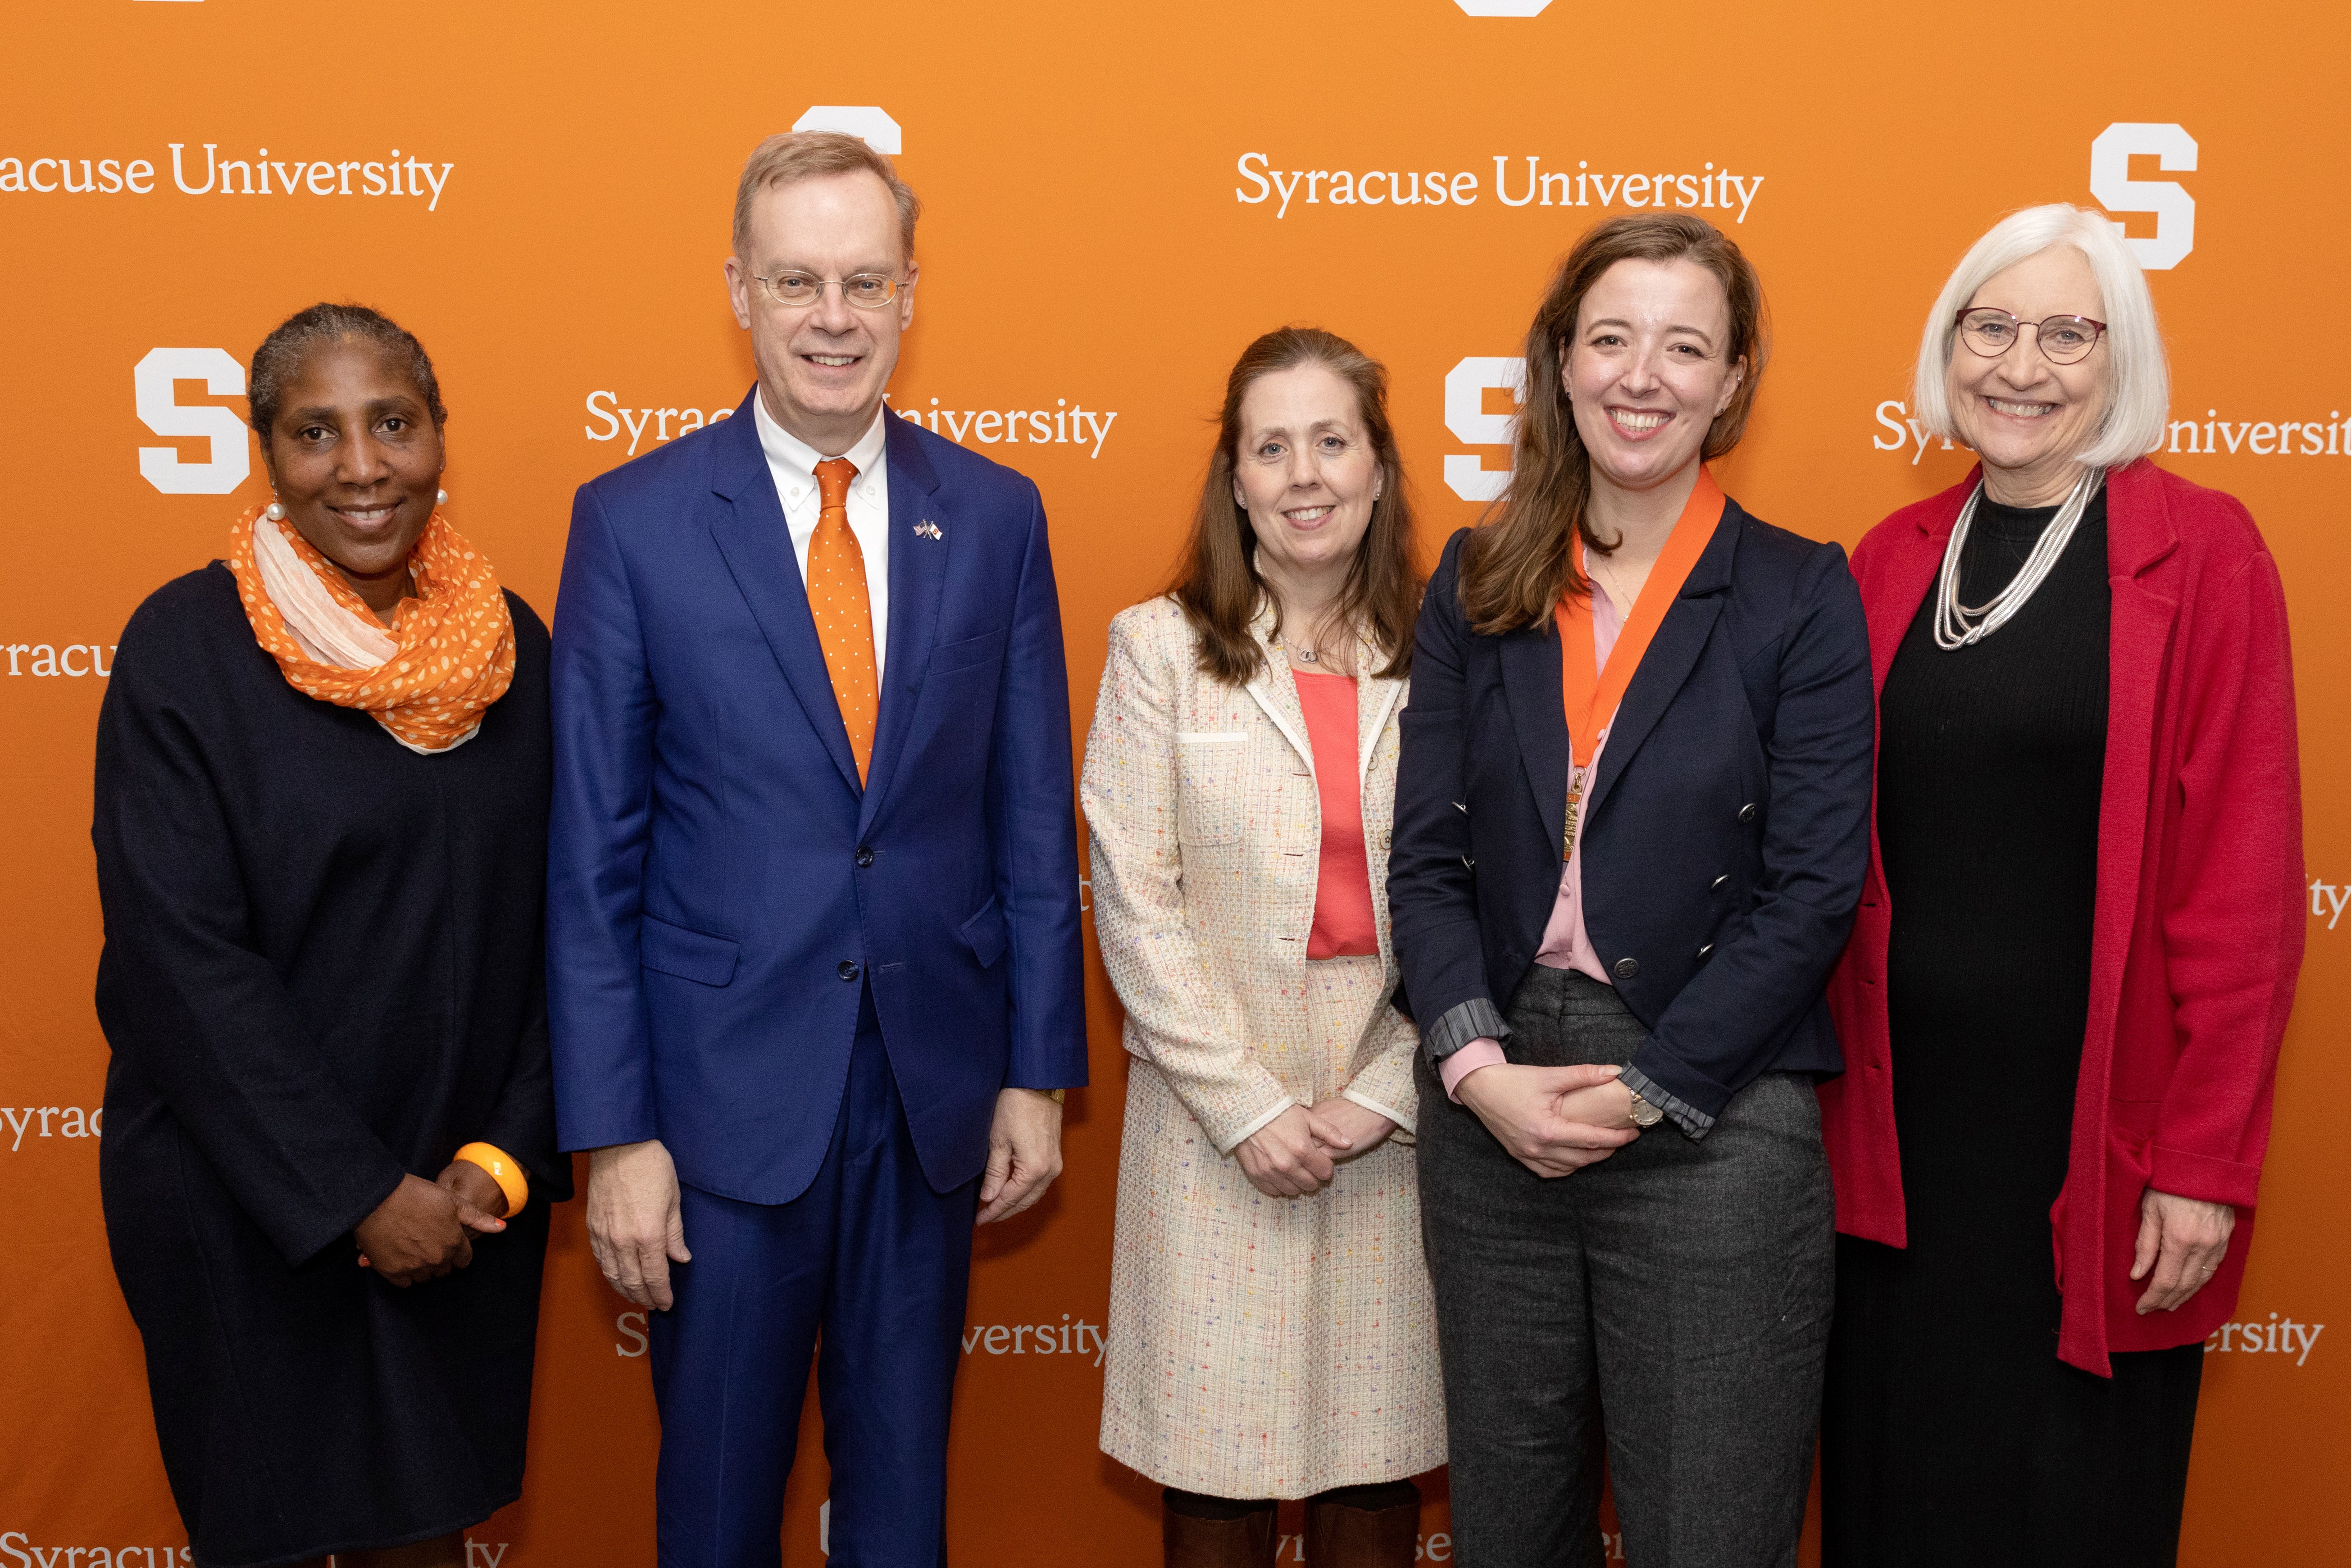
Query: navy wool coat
point(323, 973)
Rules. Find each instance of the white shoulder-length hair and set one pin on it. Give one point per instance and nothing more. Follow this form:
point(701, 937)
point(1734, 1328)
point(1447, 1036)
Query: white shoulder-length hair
point(2138, 376)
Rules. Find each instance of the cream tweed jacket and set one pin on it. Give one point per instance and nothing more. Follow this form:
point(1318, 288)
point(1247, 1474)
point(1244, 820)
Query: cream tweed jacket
point(1257, 1346)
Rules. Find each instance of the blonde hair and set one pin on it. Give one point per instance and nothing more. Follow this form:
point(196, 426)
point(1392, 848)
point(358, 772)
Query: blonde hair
point(794, 155)
point(2138, 375)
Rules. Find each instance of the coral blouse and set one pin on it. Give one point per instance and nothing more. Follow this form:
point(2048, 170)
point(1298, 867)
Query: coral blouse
point(1344, 925)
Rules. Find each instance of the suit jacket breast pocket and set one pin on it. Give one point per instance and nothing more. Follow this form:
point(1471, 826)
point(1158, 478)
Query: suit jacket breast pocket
point(1212, 771)
point(986, 650)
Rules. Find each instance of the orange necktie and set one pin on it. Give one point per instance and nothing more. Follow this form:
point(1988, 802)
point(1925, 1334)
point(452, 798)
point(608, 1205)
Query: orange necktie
point(844, 615)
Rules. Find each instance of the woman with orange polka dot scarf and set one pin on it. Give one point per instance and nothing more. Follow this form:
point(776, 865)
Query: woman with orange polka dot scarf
point(322, 779)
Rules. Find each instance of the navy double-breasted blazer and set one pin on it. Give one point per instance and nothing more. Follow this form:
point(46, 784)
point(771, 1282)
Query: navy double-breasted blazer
point(721, 889)
point(1724, 838)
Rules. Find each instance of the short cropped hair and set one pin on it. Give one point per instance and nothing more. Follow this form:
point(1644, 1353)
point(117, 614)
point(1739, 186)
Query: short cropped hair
point(795, 155)
point(280, 357)
point(2138, 375)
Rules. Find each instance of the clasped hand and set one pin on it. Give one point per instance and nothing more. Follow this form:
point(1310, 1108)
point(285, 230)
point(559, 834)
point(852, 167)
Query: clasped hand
point(1553, 1120)
point(1297, 1154)
point(426, 1229)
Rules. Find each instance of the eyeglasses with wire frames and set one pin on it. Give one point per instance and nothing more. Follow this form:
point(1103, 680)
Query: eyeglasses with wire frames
point(1992, 333)
point(795, 290)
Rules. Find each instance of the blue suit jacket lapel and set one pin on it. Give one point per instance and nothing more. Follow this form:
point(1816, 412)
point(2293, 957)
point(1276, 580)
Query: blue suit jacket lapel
point(1673, 652)
point(1531, 686)
point(919, 575)
point(757, 544)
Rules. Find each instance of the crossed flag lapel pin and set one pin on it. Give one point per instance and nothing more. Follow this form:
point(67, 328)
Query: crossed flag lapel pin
point(927, 529)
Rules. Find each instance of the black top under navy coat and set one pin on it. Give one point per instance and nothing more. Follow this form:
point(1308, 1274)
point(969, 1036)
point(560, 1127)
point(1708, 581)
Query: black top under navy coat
point(323, 972)
point(1725, 837)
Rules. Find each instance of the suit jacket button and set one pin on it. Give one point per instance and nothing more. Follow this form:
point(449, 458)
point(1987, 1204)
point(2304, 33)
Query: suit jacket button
point(864, 856)
point(1720, 882)
point(848, 971)
point(1627, 967)
point(1705, 950)
point(1747, 812)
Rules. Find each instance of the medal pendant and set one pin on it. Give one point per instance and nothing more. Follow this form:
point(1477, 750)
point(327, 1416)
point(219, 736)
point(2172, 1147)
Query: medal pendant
point(1574, 805)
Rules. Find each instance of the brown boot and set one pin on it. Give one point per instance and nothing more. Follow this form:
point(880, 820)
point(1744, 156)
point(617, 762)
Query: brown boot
point(1239, 1536)
point(1363, 1527)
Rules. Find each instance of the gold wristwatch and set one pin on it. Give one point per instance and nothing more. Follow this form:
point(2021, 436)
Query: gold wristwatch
point(1644, 1113)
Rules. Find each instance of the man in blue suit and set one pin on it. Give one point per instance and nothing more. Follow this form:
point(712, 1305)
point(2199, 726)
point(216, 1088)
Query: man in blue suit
point(813, 960)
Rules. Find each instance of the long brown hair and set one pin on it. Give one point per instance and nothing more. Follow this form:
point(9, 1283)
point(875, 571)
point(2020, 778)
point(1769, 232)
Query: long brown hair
point(1217, 580)
point(1517, 565)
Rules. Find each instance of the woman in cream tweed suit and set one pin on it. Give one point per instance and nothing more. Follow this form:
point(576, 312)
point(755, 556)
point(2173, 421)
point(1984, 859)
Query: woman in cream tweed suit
point(1271, 1332)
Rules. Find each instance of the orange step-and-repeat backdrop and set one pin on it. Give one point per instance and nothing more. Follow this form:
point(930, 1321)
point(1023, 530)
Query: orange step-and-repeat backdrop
point(1118, 198)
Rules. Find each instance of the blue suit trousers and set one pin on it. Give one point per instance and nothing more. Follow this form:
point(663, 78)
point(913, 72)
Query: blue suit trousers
point(866, 1273)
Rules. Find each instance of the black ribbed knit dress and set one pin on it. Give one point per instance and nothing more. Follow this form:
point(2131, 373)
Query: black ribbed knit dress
point(1951, 1433)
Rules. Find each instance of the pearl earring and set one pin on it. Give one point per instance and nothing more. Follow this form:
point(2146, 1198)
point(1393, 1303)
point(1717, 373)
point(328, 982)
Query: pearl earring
point(273, 512)
point(441, 498)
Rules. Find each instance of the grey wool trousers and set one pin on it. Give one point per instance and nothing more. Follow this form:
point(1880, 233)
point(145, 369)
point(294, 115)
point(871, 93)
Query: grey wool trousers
point(1669, 1306)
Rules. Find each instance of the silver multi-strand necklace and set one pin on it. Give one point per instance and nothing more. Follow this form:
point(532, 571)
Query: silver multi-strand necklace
point(1957, 626)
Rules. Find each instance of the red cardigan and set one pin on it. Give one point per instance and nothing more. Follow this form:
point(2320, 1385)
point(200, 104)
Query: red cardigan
point(2197, 933)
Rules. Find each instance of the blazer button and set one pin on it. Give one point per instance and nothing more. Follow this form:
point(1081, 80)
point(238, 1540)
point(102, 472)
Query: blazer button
point(1747, 812)
point(864, 856)
point(1720, 882)
point(1627, 967)
point(1705, 950)
point(848, 971)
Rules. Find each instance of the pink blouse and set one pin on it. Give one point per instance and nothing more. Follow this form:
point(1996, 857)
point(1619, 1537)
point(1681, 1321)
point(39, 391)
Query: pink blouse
point(1344, 925)
point(1565, 943)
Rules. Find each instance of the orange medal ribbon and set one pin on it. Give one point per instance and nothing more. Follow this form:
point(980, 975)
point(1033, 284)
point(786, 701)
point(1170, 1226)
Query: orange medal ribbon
point(1592, 694)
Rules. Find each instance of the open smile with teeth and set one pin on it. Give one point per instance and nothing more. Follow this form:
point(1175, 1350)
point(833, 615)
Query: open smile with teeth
point(1639, 421)
point(834, 361)
point(365, 516)
point(1305, 515)
point(2020, 410)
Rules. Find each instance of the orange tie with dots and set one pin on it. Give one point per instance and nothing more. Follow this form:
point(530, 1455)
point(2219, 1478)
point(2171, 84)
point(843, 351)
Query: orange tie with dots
point(843, 612)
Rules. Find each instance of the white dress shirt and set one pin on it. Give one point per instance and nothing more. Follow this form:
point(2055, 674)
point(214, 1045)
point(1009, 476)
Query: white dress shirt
point(792, 463)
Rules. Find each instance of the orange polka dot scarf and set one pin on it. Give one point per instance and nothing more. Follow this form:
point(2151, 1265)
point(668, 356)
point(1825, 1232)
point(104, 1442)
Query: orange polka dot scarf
point(447, 657)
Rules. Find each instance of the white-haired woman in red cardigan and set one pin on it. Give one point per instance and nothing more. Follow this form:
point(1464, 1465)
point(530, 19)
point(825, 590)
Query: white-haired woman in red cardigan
point(2077, 948)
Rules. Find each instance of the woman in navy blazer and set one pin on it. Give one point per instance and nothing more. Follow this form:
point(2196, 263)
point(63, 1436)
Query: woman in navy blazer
point(1638, 1007)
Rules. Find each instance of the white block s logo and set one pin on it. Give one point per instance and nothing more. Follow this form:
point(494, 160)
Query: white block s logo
point(162, 466)
point(870, 122)
point(2175, 209)
point(1464, 415)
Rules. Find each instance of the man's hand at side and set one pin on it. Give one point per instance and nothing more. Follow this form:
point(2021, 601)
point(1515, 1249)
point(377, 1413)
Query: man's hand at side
point(1024, 1153)
point(634, 1224)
